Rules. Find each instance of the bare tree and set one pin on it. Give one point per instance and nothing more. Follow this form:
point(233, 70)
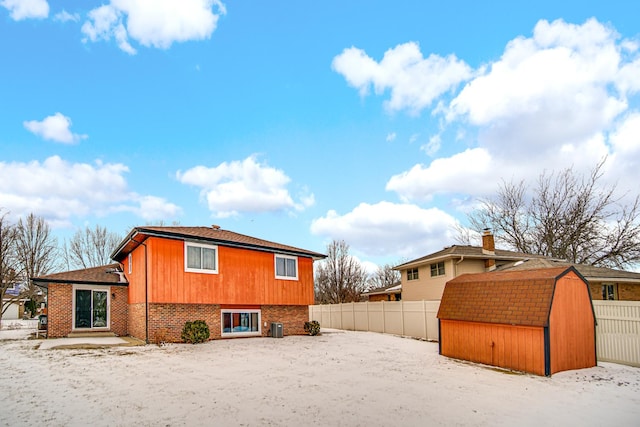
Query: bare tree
point(9, 268)
point(340, 277)
point(91, 247)
point(384, 277)
point(568, 217)
point(36, 252)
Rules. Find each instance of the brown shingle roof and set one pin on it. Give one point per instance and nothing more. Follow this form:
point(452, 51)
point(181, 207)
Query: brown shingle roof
point(93, 275)
point(590, 272)
point(505, 297)
point(457, 251)
point(209, 234)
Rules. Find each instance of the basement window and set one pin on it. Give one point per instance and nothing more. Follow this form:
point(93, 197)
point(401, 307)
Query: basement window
point(241, 323)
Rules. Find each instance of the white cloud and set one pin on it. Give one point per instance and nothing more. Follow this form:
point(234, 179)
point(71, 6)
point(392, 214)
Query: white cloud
point(59, 191)
point(433, 146)
point(391, 136)
point(243, 186)
point(560, 98)
point(54, 128)
point(26, 9)
point(65, 16)
point(414, 81)
point(406, 230)
point(157, 23)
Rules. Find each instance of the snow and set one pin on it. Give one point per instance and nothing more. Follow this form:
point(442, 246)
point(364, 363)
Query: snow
point(339, 378)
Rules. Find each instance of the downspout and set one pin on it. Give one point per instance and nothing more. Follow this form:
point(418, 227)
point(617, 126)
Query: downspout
point(455, 266)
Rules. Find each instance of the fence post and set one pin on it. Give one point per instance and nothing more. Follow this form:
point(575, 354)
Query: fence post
point(402, 317)
point(424, 315)
point(368, 322)
point(384, 319)
point(353, 314)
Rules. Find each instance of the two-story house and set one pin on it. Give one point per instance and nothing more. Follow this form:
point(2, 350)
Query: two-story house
point(165, 276)
point(424, 278)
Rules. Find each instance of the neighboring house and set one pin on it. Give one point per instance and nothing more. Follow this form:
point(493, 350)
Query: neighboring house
point(385, 293)
point(166, 276)
point(539, 321)
point(424, 278)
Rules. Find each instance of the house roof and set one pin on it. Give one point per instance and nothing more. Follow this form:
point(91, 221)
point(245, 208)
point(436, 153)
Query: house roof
point(590, 272)
point(213, 234)
point(472, 252)
point(384, 290)
point(506, 297)
point(103, 275)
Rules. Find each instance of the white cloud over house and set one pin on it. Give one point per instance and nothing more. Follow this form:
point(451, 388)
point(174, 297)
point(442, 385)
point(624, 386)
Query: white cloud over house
point(156, 24)
point(405, 229)
point(61, 191)
point(232, 188)
point(26, 9)
point(54, 128)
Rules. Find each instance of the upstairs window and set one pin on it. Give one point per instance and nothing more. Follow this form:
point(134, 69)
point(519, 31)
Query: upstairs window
point(412, 274)
point(286, 267)
point(200, 258)
point(437, 269)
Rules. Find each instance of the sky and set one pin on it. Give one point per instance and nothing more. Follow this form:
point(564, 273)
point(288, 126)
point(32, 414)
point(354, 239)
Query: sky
point(380, 124)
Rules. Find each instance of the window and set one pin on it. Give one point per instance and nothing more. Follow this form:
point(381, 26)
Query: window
point(412, 274)
point(200, 258)
point(286, 267)
point(609, 292)
point(129, 259)
point(241, 322)
point(437, 269)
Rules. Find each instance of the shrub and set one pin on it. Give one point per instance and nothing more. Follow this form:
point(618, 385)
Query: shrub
point(195, 332)
point(312, 328)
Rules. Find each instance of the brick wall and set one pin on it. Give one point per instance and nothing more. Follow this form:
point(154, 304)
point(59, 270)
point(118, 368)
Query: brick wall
point(167, 320)
point(59, 310)
point(628, 292)
point(118, 310)
point(136, 321)
point(292, 318)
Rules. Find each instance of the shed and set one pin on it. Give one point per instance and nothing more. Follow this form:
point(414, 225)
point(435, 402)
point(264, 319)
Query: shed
point(537, 321)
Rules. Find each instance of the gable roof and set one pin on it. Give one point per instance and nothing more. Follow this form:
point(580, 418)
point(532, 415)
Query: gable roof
point(472, 252)
point(214, 235)
point(506, 297)
point(103, 275)
point(590, 272)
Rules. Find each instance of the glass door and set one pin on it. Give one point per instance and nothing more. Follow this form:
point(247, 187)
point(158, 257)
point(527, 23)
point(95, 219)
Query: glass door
point(91, 309)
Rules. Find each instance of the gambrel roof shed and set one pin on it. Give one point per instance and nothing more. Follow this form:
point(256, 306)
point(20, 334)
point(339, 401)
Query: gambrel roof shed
point(538, 321)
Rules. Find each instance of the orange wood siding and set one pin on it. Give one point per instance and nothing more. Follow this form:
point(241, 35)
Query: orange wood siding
point(136, 278)
point(244, 277)
point(571, 326)
point(513, 347)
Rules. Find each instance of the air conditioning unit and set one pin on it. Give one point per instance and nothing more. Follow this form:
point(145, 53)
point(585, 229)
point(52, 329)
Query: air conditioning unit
point(276, 330)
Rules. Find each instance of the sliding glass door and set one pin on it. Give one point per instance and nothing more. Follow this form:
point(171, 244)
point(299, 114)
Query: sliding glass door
point(91, 308)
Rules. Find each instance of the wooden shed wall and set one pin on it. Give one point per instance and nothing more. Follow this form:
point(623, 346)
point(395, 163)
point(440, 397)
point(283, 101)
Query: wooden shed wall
point(244, 277)
point(571, 326)
point(519, 348)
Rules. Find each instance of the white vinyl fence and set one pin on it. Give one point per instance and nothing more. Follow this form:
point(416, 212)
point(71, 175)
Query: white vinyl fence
point(407, 318)
point(617, 332)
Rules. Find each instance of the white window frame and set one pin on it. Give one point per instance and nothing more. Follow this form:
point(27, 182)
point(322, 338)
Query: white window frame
point(130, 262)
point(240, 334)
point(275, 266)
point(73, 306)
point(200, 270)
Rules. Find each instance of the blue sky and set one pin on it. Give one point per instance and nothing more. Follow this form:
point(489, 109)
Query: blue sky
point(302, 122)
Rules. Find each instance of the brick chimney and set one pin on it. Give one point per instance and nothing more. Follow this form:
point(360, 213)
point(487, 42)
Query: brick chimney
point(488, 248)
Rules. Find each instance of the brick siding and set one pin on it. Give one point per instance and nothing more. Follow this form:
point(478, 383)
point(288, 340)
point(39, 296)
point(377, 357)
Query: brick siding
point(292, 318)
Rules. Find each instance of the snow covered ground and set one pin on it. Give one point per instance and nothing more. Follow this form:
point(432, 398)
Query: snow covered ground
point(340, 378)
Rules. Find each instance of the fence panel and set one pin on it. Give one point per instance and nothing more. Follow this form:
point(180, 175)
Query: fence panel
point(618, 331)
